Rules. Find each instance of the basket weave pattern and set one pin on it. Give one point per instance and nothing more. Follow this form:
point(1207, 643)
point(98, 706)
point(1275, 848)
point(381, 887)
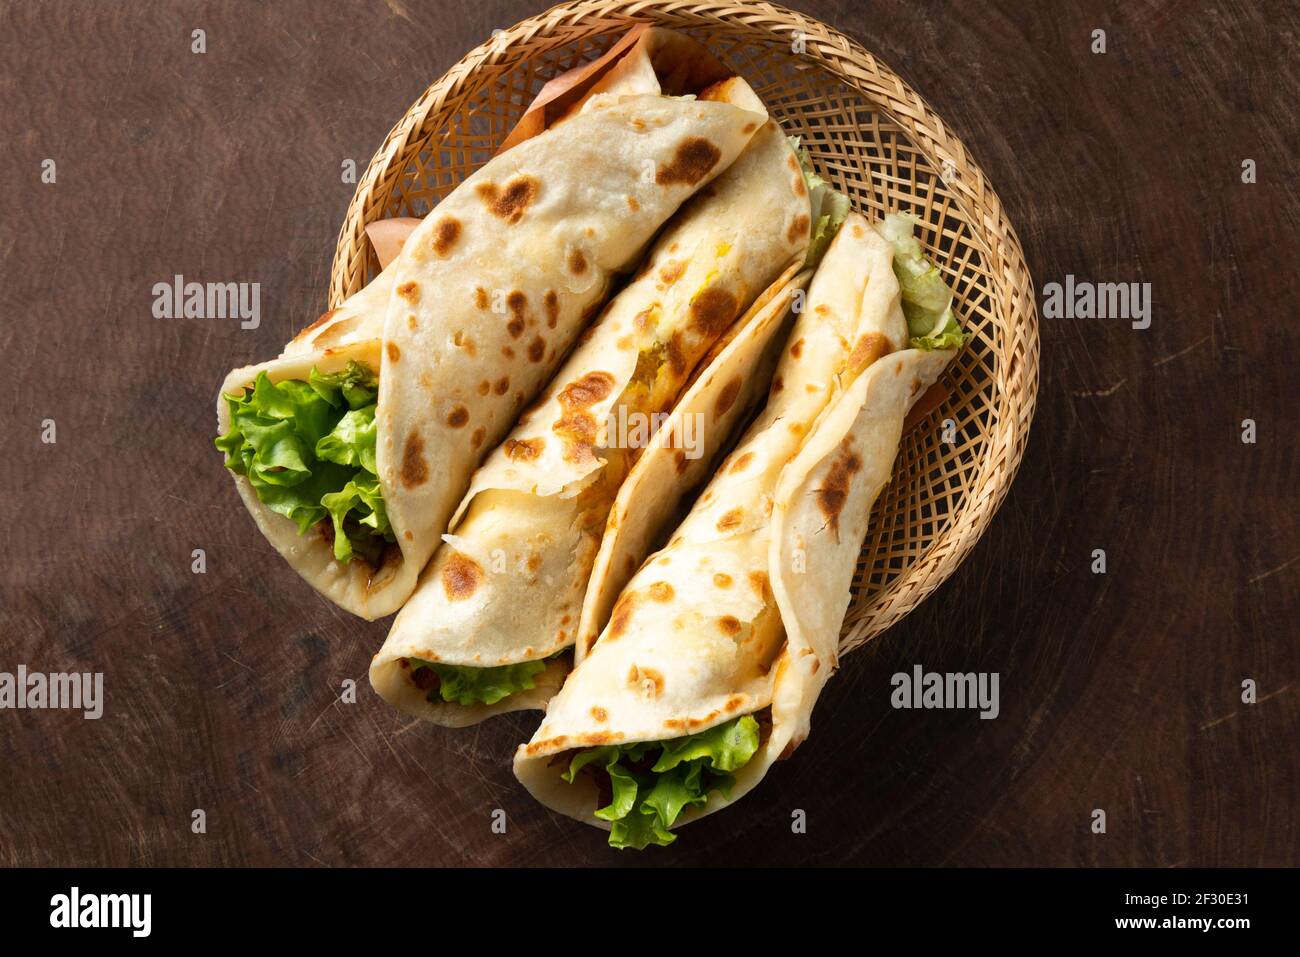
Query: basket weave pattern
point(877, 141)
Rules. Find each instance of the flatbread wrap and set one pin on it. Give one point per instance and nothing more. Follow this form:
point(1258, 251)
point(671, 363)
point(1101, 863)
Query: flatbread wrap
point(487, 628)
point(352, 449)
point(711, 660)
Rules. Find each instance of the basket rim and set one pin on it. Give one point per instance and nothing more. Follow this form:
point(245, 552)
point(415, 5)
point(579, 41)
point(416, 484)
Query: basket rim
point(1015, 378)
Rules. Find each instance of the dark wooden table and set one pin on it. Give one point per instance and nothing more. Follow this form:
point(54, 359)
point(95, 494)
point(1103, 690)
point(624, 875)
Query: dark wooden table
point(1119, 691)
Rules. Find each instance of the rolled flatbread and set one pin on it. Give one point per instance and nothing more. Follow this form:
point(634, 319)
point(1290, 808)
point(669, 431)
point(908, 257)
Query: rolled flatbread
point(423, 372)
point(503, 596)
point(708, 665)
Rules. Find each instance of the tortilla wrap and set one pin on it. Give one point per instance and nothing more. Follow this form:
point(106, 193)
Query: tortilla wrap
point(508, 584)
point(741, 611)
point(486, 296)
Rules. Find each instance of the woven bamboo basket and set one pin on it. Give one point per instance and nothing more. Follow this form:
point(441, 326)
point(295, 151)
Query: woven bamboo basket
point(880, 143)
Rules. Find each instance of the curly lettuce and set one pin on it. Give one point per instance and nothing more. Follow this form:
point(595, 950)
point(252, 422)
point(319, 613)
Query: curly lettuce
point(927, 299)
point(648, 796)
point(828, 209)
point(467, 685)
point(308, 450)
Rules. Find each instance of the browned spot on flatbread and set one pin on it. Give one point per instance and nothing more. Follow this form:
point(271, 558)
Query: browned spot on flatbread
point(458, 417)
point(523, 450)
point(446, 233)
point(729, 625)
point(461, 577)
point(410, 291)
point(484, 387)
point(727, 397)
point(536, 349)
point(537, 747)
point(463, 341)
point(511, 202)
point(749, 127)
point(691, 724)
point(722, 580)
point(648, 681)
point(502, 385)
point(599, 714)
point(672, 271)
point(691, 162)
point(712, 310)
point(835, 487)
point(551, 303)
point(394, 353)
point(579, 428)
point(680, 462)
point(677, 354)
point(477, 438)
point(621, 617)
point(742, 462)
point(412, 323)
point(731, 519)
point(587, 390)
point(324, 318)
point(758, 581)
point(734, 702)
point(408, 535)
point(858, 231)
point(777, 385)
point(796, 350)
point(632, 204)
point(869, 347)
point(798, 187)
point(577, 262)
point(481, 297)
point(798, 227)
point(517, 303)
point(415, 470)
point(661, 591)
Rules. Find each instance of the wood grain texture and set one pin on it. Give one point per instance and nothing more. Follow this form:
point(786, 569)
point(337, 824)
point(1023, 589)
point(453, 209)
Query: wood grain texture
point(1119, 691)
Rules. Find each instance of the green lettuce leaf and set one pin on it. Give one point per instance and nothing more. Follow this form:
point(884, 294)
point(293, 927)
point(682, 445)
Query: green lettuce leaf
point(468, 685)
point(308, 450)
point(352, 440)
point(647, 802)
point(927, 299)
point(828, 209)
point(949, 337)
